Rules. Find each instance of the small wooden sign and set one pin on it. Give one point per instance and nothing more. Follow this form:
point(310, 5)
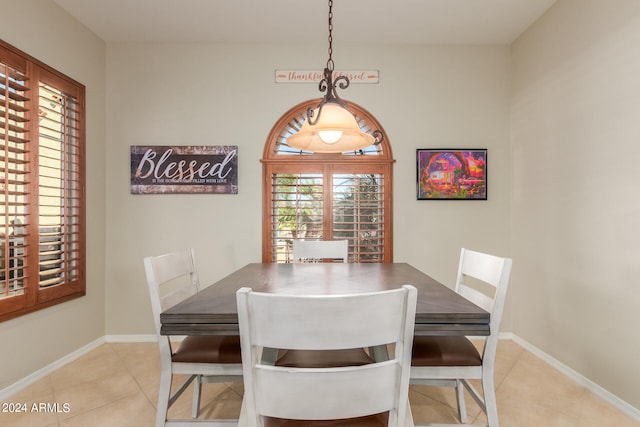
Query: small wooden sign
point(184, 169)
point(314, 76)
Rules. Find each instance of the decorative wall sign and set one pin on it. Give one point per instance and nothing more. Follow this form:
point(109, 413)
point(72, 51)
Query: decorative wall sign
point(314, 76)
point(452, 174)
point(184, 169)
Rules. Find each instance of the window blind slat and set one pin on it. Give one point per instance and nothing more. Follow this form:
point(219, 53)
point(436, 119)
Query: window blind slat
point(11, 116)
point(13, 181)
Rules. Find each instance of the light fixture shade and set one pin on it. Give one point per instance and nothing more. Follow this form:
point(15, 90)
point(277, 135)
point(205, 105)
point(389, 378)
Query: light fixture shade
point(336, 131)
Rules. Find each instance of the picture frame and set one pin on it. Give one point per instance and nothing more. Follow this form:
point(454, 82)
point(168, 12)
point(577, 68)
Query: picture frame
point(158, 169)
point(451, 174)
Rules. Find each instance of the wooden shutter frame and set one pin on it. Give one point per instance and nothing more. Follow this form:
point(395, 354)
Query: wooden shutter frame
point(35, 298)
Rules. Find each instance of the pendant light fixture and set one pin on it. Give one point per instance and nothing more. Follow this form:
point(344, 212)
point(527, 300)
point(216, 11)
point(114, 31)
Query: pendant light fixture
point(330, 127)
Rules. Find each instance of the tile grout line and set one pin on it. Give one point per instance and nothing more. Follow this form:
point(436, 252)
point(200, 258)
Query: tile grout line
point(153, 405)
point(61, 421)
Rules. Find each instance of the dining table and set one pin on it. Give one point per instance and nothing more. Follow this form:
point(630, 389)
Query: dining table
point(212, 311)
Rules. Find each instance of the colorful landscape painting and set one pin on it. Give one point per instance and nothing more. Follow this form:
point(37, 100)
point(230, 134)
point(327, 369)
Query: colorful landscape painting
point(445, 174)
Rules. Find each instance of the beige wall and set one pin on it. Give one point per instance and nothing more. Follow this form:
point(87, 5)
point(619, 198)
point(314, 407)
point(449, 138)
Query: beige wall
point(29, 343)
point(575, 132)
point(225, 94)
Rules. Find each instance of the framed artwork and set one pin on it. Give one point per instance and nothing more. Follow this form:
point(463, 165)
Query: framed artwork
point(184, 169)
point(451, 174)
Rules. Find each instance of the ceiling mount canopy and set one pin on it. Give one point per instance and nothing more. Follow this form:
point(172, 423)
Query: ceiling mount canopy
point(330, 127)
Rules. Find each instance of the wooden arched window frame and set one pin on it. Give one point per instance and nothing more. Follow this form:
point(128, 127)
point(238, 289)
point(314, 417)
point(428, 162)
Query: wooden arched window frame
point(327, 196)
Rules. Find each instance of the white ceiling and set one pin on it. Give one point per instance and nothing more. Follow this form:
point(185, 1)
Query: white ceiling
point(355, 21)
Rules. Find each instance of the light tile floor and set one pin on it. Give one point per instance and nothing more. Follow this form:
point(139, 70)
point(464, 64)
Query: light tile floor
point(116, 385)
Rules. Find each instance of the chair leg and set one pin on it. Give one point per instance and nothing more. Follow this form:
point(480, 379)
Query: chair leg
point(490, 402)
point(408, 420)
point(197, 390)
point(462, 409)
point(164, 395)
point(243, 419)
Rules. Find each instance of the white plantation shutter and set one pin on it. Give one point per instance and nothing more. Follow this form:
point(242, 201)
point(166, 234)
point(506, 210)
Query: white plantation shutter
point(42, 241)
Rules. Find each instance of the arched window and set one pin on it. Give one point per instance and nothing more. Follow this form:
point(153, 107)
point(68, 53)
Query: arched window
point(321, 196)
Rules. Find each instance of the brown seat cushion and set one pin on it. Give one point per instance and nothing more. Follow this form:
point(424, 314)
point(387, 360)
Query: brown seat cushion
point(444, 351)
point(323, 358)
point(377, 420)
point(209, 349)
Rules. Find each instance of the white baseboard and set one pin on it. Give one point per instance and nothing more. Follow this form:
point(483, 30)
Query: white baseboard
point(614, 400)
point(131, 338)
point(41, 373)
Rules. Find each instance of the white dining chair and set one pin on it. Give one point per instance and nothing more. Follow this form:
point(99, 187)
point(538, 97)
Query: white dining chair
point(453, 360)
point(214, 358)
point(375, 394)
point(318, 250)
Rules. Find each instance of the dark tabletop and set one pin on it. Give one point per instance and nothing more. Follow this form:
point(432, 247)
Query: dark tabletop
point(440, 311)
